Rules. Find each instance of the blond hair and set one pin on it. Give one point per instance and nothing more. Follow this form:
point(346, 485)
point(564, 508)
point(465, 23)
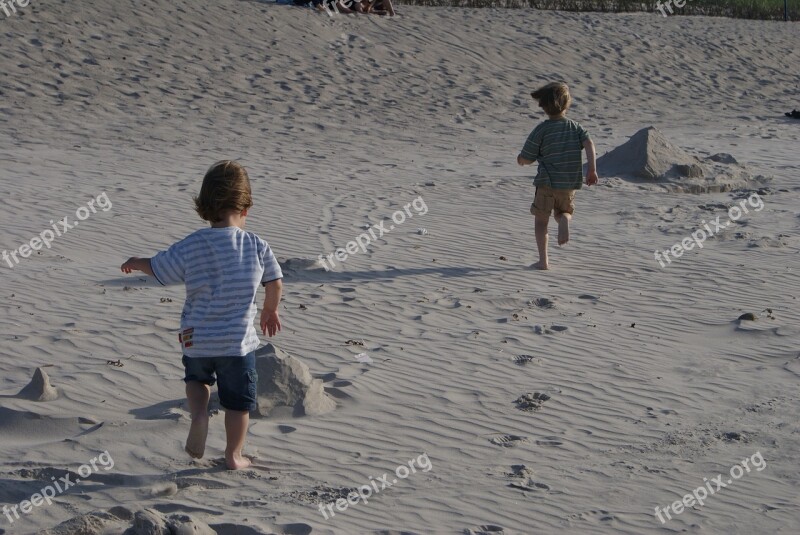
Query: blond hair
point(554, 98)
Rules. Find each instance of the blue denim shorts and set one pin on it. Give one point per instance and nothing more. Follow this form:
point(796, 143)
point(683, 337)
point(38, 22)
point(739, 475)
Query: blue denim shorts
point(236, 377)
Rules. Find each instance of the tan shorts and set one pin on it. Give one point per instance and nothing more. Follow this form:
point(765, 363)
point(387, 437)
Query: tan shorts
point(547, 200)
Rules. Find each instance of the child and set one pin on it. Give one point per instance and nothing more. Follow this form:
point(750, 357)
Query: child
point(556, 145)
point(221, 267)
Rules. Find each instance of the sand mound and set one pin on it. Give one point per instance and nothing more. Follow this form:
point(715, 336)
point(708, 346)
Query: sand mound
point(39, 389)
point(145, 522)
point(284, 380)
point(650, 157)
point(647, 155)
point(300, 264)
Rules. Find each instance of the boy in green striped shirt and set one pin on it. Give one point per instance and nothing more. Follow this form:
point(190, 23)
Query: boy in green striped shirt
point(556, 144)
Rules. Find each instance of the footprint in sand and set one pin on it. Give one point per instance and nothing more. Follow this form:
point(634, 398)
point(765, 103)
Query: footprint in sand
point(520, 471)
point(543, 302)
point(508, 441)
point(522, 360)
point(595, 515)
point(589, 297)
point(522, 478)
point(531, 402)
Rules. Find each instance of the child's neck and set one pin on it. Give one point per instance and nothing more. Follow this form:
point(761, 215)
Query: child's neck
point(230, 220)
point(557, 117)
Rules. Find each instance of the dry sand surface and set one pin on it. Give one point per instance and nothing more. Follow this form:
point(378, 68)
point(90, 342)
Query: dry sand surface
point(643, 381)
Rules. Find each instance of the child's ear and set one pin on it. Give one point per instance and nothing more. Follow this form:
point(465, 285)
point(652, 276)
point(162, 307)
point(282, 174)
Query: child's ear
point(244, 212)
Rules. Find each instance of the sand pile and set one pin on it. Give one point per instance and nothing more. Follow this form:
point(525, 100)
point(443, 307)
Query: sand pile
point(142, 522)
point(285, 381)
point(649, 156)
point(39, 389)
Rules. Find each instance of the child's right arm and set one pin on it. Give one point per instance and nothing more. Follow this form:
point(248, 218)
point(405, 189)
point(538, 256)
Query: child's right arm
point(530, 151)
point(137, 264)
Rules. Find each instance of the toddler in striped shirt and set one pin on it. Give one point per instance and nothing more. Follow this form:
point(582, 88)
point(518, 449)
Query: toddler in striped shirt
point(221, 267)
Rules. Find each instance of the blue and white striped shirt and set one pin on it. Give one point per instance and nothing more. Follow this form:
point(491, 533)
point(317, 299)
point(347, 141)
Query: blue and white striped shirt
point(221, 268)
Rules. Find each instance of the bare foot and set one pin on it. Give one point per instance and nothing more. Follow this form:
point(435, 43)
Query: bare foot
point(237, 462)
point(196, 441)
point(563, 230)
point(540, 265)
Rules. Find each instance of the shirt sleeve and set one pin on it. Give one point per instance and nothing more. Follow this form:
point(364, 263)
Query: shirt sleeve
point(272, 270)
point(530, 151)
point(168, 266)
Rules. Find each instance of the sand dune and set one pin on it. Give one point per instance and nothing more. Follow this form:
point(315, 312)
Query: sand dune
point(652, 383)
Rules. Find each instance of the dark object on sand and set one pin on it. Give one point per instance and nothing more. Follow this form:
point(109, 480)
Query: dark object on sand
point(747, 316)
point(793, 114)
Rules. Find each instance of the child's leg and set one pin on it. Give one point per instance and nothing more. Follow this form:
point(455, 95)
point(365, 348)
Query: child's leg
point(237, 380)
point(564, 207)
point(563, 227)
point(198, 394)
point(541, 209)
point(540, 224)
point(236, 431)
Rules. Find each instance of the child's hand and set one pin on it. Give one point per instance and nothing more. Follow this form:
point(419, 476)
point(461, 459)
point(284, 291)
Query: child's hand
point(131, 265)
point(591, 178)
point(270, 322)
point(135, 263)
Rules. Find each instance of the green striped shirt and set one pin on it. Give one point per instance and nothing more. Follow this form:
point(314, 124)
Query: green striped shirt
point(557, 144)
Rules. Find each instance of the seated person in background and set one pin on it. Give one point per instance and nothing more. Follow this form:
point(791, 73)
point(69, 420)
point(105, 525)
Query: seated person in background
point(379, 7)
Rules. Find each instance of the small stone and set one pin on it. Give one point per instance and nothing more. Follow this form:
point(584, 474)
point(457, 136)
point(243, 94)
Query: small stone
point(748, 316)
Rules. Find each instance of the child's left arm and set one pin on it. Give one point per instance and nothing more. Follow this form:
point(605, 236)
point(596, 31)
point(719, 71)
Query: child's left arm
point(591, 173)
point(270, 321)
point(137, 264)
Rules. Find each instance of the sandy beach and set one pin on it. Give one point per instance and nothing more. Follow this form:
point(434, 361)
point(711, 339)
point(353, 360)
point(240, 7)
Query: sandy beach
point(472, 393)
